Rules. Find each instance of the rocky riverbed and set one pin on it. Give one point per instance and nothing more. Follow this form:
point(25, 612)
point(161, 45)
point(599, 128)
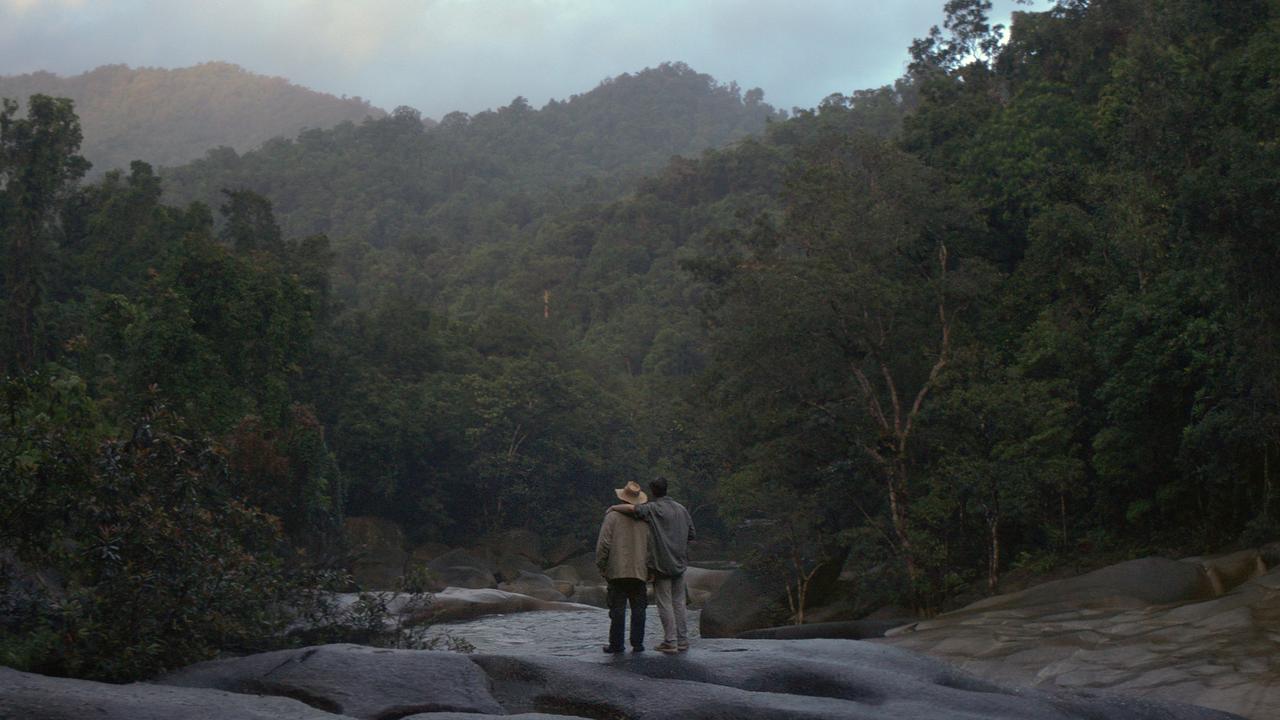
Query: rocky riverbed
point(1153, 638)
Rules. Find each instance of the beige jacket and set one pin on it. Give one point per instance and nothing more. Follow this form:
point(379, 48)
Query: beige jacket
point(622, 551)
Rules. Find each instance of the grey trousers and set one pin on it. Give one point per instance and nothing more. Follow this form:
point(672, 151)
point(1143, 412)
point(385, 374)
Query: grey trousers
point(669, 595)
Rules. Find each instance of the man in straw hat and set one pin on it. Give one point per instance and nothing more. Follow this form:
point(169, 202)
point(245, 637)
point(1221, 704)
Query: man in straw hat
point(670, 531)
point(622, 554)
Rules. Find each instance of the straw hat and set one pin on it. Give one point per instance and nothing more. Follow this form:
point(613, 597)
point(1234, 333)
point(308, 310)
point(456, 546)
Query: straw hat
point(632, 494)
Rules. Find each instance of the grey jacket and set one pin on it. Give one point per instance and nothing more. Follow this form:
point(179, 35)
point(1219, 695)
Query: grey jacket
point(622, 550)
point(671, 529)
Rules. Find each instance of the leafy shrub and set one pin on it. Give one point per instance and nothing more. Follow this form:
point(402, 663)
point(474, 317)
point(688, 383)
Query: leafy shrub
point(160, 564)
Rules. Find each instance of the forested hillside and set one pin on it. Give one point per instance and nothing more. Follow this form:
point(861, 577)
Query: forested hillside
point(168, 117)
point(1040, 324)
point(401, 181)
point(1015, 312)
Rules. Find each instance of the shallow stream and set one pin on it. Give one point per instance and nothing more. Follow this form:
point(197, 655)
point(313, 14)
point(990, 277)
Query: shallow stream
point(546, 632)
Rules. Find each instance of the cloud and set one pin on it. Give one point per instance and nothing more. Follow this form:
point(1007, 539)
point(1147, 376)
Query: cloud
point(22, 7)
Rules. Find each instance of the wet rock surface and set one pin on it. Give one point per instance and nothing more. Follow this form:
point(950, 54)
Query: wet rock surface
point(798, 679)
point(739, 679)
point(24, 696)
point(1148, 628)
point(352, 680)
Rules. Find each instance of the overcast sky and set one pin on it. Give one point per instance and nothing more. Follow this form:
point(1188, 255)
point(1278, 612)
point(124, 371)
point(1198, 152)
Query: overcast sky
point(470, 55)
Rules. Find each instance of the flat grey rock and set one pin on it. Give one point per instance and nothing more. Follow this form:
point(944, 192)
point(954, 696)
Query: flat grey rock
point(25, 696)
point(353, 680)
point(715, 680)
point(1128, 630)
point(793, 679)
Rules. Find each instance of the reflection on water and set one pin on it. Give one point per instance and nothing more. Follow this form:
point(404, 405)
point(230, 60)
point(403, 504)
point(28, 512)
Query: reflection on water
point(547, 632)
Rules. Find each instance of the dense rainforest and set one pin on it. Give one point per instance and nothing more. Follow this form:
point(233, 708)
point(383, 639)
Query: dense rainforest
point(1013, 312)
point(168, 117)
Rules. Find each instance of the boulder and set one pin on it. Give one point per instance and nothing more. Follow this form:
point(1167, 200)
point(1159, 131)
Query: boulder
point(24, 696)
point(459, 568)
point(700, 584)
point(565, 578)
point(564, 573)
point(510, 567)
point(566, 548)
point(426, 552)
point(1136, 583)
point(462, 558)
point(742, 603)
point(463, 576)
point(585, 567)
point(1086, 634)
point(1227, 572)
point(352, 680)
point(518, 542)
point(1270, 554)
point(534, 585)
point(377, 551)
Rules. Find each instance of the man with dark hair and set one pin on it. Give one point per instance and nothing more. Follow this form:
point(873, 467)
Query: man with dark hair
point(670, 530)
point(622, 554)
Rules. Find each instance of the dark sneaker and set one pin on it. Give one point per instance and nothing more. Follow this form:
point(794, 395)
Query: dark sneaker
point(638, 648)
point(611, 649)
point(667, 648)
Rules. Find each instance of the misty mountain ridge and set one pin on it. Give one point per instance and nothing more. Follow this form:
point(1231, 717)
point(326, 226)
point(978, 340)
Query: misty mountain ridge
point(170, 116)
point(402, 178)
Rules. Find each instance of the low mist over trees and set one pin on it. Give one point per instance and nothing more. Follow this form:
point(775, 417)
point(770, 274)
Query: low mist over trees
point(472, 178)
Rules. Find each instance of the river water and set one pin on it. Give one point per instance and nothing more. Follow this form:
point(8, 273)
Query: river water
point(547, 632)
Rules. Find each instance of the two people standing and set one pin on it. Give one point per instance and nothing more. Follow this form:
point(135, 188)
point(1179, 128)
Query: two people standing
point(659, 531)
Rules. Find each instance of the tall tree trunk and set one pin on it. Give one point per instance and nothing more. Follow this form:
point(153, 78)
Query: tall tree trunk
point(993, 557)
point(896, 480)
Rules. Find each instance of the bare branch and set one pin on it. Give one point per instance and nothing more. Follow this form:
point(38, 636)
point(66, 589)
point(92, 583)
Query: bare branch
point(944, 350)
point(873, 402)
point(893, 396)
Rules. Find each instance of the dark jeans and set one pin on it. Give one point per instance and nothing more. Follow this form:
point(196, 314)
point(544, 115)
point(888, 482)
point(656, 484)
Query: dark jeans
point(622, 592)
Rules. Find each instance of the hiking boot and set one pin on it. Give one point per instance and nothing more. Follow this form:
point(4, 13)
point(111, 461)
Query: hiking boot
point(638, 648)
point(682, 647)
point(667, 648)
